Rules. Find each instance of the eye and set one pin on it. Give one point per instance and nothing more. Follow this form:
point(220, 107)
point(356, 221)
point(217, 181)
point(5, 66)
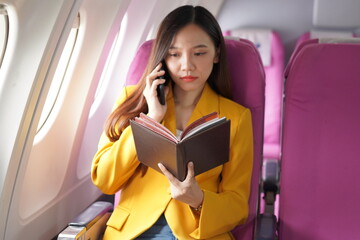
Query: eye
point(173, 54)
point(199, 53)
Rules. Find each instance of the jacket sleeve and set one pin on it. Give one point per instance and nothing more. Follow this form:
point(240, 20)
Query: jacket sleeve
point(114, 162)
point(227, 208)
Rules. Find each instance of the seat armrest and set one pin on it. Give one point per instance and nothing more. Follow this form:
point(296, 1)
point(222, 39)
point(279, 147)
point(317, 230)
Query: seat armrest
point(270, 183)
point(266, 227)
point(271, 171)
point(90, 224)
point(88, 217)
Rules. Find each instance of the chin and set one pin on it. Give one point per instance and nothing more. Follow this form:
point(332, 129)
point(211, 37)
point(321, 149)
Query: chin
point(189, 87)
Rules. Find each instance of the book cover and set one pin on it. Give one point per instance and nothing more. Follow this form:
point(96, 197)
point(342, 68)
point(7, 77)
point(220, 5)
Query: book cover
point(205, 142)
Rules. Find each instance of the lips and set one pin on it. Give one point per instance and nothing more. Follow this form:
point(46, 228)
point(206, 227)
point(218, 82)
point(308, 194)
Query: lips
point(188, 78)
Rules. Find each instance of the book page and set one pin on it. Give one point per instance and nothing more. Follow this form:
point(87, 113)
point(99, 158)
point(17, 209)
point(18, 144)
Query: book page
point(156, 127)
point(198, 122)
point(204, 126)
point(196, 126)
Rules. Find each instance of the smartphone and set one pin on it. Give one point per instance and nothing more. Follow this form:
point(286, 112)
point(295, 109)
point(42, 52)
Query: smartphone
point(161, 87)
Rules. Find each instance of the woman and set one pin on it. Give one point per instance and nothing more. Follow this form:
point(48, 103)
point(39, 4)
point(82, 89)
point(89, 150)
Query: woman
point(191, 47)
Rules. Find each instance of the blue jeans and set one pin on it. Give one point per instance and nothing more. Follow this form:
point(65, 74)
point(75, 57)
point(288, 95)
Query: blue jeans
point(159, 231)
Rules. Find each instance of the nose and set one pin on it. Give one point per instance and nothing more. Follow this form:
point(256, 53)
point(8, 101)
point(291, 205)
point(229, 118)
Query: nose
point(187, 63)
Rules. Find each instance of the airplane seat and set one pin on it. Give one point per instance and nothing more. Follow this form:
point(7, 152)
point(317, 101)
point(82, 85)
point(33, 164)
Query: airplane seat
point(138, 64)
point(271, 49)
point(320, 142)
point(248, 86)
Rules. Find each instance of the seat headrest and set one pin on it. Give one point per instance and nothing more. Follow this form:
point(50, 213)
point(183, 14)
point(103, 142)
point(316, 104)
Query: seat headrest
point(330, 34)
point(340, 40)
point(260, 37)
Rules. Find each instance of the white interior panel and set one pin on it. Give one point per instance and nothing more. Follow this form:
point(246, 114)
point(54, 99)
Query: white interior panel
point(337, 14)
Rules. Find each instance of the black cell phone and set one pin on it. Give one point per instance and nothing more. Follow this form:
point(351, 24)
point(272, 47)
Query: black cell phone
point(161, 87)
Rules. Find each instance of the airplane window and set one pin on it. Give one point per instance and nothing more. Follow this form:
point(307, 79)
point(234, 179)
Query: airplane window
point(110, 64)
point(4, 27)
point(59, 75)
point(44, 194)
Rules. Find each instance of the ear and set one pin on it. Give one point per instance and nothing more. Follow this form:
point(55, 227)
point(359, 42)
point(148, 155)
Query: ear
point(217, 55)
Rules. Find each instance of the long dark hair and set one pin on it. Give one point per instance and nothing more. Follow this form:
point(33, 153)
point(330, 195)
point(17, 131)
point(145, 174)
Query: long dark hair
point(219, 79)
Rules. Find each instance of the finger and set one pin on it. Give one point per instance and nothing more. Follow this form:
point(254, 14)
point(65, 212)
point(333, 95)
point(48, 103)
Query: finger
point(156, 83)
point(152, 80)
point(167, 174)
point(191, 172)
point(157, 68)
point(156, 74)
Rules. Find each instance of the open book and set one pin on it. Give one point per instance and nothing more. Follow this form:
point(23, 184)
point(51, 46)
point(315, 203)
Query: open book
point(205, 142)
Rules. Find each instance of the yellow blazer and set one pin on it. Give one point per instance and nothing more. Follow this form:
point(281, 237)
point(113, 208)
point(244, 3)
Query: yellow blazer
point(145, 198)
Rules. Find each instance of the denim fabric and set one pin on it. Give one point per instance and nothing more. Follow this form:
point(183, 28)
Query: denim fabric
point(159, 231)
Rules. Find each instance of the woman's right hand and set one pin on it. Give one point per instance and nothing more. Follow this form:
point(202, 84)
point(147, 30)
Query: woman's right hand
point(156, 110)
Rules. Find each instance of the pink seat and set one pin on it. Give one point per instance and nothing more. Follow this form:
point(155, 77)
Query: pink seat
point(320, 143)
point(271, 50)
point(248, 85)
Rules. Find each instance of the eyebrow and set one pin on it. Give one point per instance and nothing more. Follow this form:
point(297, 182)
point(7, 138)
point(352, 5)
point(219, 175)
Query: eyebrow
point(197, 46)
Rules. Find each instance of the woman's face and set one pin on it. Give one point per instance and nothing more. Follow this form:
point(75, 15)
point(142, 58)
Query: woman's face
point(190, 58)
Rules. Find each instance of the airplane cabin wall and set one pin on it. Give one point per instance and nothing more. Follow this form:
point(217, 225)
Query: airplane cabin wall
point(35, 41)
point(290, 18)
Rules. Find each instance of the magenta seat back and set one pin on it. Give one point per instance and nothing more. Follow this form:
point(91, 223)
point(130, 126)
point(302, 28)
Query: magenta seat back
point(319, 193)
point(272, 51)
point(248, 86)
point(138, 65)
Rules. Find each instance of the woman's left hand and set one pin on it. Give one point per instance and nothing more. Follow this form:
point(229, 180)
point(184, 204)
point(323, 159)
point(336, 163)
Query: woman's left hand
point(187, 191)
